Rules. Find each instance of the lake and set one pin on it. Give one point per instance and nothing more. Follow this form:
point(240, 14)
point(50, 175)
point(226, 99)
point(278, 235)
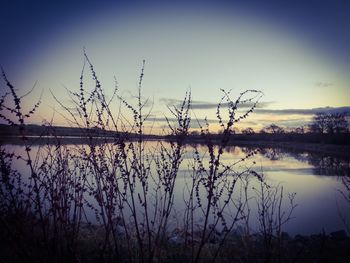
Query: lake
point(317, 180)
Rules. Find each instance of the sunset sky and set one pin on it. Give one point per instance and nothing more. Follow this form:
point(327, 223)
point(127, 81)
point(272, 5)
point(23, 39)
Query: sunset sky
point(296, 52)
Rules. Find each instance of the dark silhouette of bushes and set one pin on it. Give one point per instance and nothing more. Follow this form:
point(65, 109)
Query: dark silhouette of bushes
point(114, 200)
point(330, 123)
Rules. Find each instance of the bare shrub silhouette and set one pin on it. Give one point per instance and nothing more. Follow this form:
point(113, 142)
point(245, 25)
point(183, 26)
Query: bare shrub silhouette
point(272, 218)
point(113, 197)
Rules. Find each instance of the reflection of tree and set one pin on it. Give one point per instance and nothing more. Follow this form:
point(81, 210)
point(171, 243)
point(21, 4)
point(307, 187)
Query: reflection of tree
point(323, 164)
point(329, 165)
point(248, 149)
point(230, 149)
point(273, 154)
point(301, 157)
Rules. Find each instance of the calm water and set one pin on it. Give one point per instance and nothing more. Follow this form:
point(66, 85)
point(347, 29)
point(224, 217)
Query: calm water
point(316, 180)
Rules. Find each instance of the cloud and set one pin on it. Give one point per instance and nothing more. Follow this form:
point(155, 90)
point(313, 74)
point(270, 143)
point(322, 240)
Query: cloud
point(322, 84)
point(203, 105)
point(294, 122)
point(261, 107)
point(312, 111)
point(281, 116)
point(172, 120)
point(291, 122)
point(169, 101)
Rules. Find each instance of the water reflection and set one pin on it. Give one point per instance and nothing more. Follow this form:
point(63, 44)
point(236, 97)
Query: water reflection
point(322, 164)
point(322, 183)
point(274, 154)
point(317, 179)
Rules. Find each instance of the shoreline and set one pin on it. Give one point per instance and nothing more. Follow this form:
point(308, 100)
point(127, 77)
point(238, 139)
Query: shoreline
point(338, 150)
point(320, 148)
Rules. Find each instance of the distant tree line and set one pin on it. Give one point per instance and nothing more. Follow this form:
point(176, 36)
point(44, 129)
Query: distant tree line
point(330, 123)
point(322, 123)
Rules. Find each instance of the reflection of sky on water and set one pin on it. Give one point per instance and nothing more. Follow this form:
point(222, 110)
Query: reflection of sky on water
point(318, 198)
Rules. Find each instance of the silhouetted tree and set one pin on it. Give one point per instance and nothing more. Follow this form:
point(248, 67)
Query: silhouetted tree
point(337, 123)
point(319, 124)
point(331, 123)
point(275, 129)
point(248, 131)
point(262, 131)
point(299, 130)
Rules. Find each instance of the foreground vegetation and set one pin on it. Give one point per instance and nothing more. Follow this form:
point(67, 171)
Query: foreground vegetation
point(114, 201)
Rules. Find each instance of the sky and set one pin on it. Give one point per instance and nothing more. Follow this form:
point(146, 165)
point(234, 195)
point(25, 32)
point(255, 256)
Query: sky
point(296, 52)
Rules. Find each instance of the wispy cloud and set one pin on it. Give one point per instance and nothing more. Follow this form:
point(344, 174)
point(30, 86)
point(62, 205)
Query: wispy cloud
point(282, 117)
point(163, 119)
point(203, 105)
point(262, 106)
point(194, 122)
point(311, 111)
point(294, 122)
point(323, 84)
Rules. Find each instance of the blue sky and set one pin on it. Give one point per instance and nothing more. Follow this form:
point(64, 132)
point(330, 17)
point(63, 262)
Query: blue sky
point(296, 52)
